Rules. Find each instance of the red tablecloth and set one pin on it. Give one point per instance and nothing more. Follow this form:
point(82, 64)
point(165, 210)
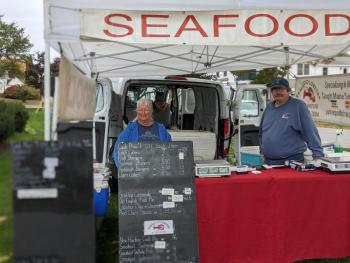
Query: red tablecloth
point(278, 216)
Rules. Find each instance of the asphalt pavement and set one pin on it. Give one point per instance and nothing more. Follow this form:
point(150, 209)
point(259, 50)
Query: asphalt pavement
point(329, 134)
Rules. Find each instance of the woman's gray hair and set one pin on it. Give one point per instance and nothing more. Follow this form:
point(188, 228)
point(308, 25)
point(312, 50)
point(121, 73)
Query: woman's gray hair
point(145, 102)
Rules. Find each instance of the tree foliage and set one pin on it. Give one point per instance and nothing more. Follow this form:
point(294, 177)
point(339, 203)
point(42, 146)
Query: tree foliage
point(266, 76)
point(12, 67)
point(35, 69)
point(13, 43)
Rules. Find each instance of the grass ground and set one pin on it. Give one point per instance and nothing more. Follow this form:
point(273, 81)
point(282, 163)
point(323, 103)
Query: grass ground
point(5, 208)
point(33, 131)
point(107, 235)
point(331, 125)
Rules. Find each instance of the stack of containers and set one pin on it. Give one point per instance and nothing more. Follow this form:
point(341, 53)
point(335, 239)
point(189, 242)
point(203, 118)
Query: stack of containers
point(250, 155)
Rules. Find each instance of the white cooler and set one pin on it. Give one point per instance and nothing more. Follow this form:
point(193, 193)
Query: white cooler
point(204, 143)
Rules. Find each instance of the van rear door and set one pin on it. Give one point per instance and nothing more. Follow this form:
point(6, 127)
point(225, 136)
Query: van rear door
point(249, 107)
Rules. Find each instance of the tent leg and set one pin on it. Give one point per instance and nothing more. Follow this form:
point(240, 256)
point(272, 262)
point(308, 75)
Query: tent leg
point(47, 93)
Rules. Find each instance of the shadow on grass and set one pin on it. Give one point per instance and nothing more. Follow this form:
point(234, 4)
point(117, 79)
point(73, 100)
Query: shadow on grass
point(107, 241)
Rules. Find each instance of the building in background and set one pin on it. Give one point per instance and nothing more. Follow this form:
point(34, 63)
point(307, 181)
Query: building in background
point(319, 69)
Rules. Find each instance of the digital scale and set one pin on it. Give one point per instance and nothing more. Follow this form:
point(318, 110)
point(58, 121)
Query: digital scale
point(212, 168)
point(336, 164)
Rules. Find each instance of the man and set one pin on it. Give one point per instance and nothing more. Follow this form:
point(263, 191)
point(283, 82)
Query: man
point(143, 129)
point(161, 109)
point(286, 128)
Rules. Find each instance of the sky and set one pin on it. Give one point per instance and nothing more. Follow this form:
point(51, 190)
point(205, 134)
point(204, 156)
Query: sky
point(27, 14)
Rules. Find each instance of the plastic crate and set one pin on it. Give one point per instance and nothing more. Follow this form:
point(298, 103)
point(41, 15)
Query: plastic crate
point(250, 156)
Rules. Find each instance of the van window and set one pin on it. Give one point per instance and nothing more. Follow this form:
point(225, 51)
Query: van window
point(99, 98)
point(249, 104)
point(186, 100)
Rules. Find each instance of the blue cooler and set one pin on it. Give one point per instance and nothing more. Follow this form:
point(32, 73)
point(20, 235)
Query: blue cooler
point(101, 196)
point(250, 155)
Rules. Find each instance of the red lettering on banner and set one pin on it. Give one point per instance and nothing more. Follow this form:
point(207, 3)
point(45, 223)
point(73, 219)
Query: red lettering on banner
point(196, 28)
point(129, 29)
point(144, 25)
point(312, 31)
point(248, 21)
point(328, 28)
point(216, 24)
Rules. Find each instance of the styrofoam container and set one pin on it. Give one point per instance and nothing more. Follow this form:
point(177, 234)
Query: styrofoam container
point(250, 155)
point(204, 142)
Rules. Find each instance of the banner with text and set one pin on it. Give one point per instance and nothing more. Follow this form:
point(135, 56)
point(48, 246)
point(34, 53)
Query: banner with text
point(230, 27)
point(327, 97)
point(77, 94)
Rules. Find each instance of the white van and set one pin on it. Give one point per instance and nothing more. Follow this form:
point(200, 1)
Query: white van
point(202, 111)
point(199, 111)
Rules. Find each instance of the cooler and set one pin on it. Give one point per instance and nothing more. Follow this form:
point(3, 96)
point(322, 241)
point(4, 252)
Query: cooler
point(250, 155)
point(101, 195)
point(204, 142)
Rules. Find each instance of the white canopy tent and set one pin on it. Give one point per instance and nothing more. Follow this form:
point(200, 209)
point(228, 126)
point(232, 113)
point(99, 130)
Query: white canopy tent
point(108, 38)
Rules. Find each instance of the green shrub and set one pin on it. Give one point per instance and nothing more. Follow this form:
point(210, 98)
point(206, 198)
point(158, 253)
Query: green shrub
point(2, 106)
point(27, 92)
point(7, 124)
point(13, 117)
point(20, 114)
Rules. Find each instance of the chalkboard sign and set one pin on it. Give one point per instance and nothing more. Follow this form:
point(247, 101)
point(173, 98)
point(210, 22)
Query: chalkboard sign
point(157, 212)
point(53, 202)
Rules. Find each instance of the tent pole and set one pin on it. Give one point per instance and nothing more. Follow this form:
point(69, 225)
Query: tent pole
point(286, 49)
point(47, 93)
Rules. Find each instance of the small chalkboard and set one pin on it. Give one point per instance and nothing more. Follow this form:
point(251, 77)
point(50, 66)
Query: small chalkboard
point(157, 212)
point(53, 202)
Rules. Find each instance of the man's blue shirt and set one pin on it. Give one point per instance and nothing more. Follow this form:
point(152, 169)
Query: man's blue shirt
point(288, 130)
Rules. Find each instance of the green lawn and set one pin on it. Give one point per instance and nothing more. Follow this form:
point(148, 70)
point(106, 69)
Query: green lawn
point(5, 207)
point(33, 131)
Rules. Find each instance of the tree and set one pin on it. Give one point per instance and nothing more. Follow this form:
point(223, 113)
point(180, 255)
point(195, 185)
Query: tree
point(14, 49)
point(35, 69)
point(55, 67)
point(13, 43)
point(266, 76)
point(12, 67)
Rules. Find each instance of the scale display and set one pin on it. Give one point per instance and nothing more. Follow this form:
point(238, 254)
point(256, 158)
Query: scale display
point(336, 164)
point(212, 168)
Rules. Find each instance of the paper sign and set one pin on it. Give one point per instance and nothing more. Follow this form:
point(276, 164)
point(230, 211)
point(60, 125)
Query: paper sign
point(43, 193)
point(50, 164)
point(188, 191)
point(159, 244)
point(158, 227)
point(177, 198)
point(167, 191)
point(181, 155)
point(168, 204)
